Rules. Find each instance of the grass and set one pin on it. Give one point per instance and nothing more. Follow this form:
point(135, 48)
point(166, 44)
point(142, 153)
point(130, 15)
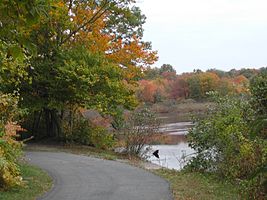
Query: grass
point(197, 186)
point(37, 182)
point(74, 149)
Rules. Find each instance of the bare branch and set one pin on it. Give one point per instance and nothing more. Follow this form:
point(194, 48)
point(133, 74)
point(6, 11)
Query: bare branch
point(70, 5)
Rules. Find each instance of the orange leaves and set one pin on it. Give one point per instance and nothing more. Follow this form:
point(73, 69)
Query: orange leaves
point(59, 10)
point(179, 88)
point(131, 53)
point(208, 82)
point(189, 85)
point(94, 26)
point(147, 91)
point(11, 129)
point(226, 86)
point(240, 80)
point(241, 84)
point(152, 91)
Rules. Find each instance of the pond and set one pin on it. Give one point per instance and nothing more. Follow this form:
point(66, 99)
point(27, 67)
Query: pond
point(176, 153)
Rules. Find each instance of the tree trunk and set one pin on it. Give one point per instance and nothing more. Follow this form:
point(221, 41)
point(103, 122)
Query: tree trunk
point(47, 121)
point(56, 124)
point(36, 122)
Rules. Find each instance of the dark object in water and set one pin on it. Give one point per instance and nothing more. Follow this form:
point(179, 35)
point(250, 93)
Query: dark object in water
point(156, 153)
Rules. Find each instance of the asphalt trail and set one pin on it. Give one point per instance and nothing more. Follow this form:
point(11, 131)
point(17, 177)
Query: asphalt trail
point(79, 177)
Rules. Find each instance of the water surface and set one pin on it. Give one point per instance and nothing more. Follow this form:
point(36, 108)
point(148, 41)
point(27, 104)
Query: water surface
point(176, 153)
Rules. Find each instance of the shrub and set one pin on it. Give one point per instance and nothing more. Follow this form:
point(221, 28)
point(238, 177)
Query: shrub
point(118, 119)
point(138, 131)
point(258, 88)
point(83, 132)
point(223, 144)
point(101, 138)
point(219, 138)
point(9, 148)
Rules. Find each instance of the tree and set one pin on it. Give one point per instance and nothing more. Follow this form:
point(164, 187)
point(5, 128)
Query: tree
point(16, 17)
point(166, 68)
point(10, 149)
point(202, 82)
point(89, 54)
point(258, 89)
point(225, 87)
point(241, 84)
point(194, 87)
point(208, 82)
point(168, 75)
point(179, 88)
point(219, 73)
point(147, 91)
point(151, 73)
point(263, 70)
point(248, 73)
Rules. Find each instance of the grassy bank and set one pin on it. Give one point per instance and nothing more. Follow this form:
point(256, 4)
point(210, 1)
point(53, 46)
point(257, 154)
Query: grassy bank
point(172, 112)
point(37, 182)
point(74, 149)
point(196, 186)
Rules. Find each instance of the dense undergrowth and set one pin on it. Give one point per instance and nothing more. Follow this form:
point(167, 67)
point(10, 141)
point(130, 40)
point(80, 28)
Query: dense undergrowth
point(10, 149)
point(231, 140)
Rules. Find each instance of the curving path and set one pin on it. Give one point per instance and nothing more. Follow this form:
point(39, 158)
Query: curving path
point(79, 177)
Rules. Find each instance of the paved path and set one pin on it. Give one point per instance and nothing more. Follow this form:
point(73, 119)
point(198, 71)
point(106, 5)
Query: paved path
point(79, 177)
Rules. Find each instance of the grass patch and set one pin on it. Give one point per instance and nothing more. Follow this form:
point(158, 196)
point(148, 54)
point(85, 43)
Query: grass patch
point(37, 182)
point(74, 149)
point(197, 186)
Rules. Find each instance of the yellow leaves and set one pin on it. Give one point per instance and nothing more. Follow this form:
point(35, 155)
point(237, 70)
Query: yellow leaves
point(246, 149)
point(9, 148)
point(60, 4)
point(130, 54)
point(81, 27)
point(58, 12)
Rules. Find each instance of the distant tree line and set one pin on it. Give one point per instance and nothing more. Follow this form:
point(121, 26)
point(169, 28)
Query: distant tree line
point(162, 83)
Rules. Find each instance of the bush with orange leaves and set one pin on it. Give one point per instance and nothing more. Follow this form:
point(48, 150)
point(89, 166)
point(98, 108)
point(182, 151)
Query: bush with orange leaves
point(10, 149)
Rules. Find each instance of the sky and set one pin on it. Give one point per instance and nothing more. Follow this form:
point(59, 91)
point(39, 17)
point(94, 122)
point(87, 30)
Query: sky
point(205, 34)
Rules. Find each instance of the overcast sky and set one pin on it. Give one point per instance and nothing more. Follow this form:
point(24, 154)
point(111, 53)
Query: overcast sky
point(204, 34)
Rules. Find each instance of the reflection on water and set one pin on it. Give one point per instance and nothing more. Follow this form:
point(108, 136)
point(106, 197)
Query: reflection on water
point(180, 128)
point(172, 156)
point(175, 152)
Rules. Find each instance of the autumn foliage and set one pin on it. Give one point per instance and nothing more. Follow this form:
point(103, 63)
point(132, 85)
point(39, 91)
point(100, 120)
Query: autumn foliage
point(163, 83)
point(9, 148)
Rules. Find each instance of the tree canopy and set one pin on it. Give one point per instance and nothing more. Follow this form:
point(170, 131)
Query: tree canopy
point(68, 53)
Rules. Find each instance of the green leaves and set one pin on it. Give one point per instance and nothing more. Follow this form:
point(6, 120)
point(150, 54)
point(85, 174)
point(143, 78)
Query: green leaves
point(9, 148)
point(16, 52)
point(224, 145)
point(258, 88)
point(222, 135)
point(57, 54)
